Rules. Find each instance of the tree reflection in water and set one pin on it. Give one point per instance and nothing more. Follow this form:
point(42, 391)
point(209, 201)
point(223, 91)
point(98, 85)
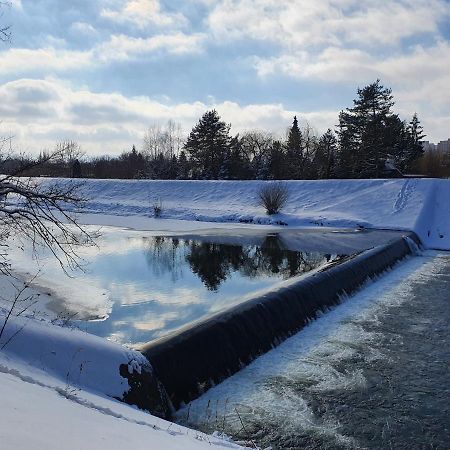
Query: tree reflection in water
point(213, 263)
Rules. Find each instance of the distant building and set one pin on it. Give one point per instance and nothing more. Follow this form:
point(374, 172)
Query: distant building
point(444, 146)
point(428, 146)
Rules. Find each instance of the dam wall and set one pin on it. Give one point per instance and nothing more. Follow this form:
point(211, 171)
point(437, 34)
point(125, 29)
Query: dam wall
point(197, 357)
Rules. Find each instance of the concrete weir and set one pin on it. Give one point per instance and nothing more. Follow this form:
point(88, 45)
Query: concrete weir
point(190, 361)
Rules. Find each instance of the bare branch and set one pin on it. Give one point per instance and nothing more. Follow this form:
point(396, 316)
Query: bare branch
point(5, 30)
point(44, 214)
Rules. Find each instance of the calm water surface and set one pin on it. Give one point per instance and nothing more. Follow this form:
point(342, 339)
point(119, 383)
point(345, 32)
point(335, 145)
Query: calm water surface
point(158, 284)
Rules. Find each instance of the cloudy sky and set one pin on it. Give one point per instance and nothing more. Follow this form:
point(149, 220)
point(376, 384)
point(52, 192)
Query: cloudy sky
point(102, 71)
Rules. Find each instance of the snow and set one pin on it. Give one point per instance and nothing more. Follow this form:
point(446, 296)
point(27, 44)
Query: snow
point(57, 383)
point(42, 417)
point(418, 205)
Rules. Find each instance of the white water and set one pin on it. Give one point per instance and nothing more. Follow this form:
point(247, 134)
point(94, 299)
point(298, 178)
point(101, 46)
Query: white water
point(269, 391)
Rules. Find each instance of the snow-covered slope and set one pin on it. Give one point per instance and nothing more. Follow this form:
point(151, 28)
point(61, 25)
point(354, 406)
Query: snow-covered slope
point(418, 205)
point(39, 416)
point(58, 385)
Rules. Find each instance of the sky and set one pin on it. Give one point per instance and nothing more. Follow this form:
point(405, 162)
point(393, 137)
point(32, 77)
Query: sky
point(101, 72)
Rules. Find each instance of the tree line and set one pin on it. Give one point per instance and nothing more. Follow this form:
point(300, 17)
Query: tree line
point(369, 141)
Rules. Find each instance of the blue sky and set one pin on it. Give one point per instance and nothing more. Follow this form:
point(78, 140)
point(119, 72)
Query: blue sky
point(102, 71)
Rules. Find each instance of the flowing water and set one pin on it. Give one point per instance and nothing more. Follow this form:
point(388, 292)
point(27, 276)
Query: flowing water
point(372, 373)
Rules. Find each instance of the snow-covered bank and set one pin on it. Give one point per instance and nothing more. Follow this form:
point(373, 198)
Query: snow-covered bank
point(418, 205)
point(58, 385)
point(44, 416)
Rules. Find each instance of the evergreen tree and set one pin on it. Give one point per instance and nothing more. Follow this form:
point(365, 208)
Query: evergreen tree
point(416, 134)
point(76, 169)
point(208, 145)
point(173, 168)
point(276, 161)
point(131, 164)
point(346, 164)
point(183, 166)
point(325, 157)
point(294, 161)
point(363, 130)
point(238, 164)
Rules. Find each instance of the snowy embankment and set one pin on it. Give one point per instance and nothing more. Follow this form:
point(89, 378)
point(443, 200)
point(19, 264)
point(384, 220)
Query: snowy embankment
point(418, 205)
point(58, 387)
point(57, 384)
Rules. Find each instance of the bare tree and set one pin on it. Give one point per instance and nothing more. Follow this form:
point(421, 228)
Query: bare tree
point(166, 141)
point(69, 151)
point(5, 30)
point(256, 147)
point(39, 211)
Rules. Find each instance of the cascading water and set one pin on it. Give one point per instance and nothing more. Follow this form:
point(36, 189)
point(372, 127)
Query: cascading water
point(203, 354)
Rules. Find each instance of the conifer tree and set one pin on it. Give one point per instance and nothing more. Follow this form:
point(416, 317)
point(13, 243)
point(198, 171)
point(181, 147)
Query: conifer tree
point(238, 164)
point(294, 162)
point(416, 139)
point(183, 166)
point(363, 130)
point(325, 157)
point(276, 161)
point(208, 145)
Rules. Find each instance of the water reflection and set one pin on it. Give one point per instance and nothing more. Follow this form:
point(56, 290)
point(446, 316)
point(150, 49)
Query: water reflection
point(213, 262)
point(158, 284)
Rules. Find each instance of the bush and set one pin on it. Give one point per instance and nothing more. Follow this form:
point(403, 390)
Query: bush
point(157, 208)
point(273, 197)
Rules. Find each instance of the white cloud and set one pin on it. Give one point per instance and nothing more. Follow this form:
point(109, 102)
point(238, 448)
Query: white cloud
point(125, 47)
point(42, 112)
point(332, 64)
point(419, 78)
point(17, 60)
point(83, 28)
point(300, 24)
point(351, 42)
point(118, 47)
point(143, 13)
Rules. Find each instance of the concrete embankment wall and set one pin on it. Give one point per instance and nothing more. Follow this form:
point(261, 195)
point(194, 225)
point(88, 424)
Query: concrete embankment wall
point(194, 359)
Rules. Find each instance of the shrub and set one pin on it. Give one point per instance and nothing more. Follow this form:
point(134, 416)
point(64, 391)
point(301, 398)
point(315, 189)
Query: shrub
point(157, 208)
point(273, 197)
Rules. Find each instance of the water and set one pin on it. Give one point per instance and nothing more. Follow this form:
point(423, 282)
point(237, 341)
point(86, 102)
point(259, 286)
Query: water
point(157, 284)
point(372, 373)
point(139, 286)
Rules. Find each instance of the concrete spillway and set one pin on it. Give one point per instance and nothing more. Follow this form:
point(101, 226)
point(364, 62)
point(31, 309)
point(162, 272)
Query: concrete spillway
point(192, 360)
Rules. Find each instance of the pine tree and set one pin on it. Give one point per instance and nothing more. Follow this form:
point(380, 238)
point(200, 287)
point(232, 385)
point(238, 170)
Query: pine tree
point(173, 168)
point(346, 164)
point(294, 161)
point(325, 157)
point(416, 134)
point(183, 166)
point(363, 131)
point(238, 165)
point(208, 144)
point(276, 161)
